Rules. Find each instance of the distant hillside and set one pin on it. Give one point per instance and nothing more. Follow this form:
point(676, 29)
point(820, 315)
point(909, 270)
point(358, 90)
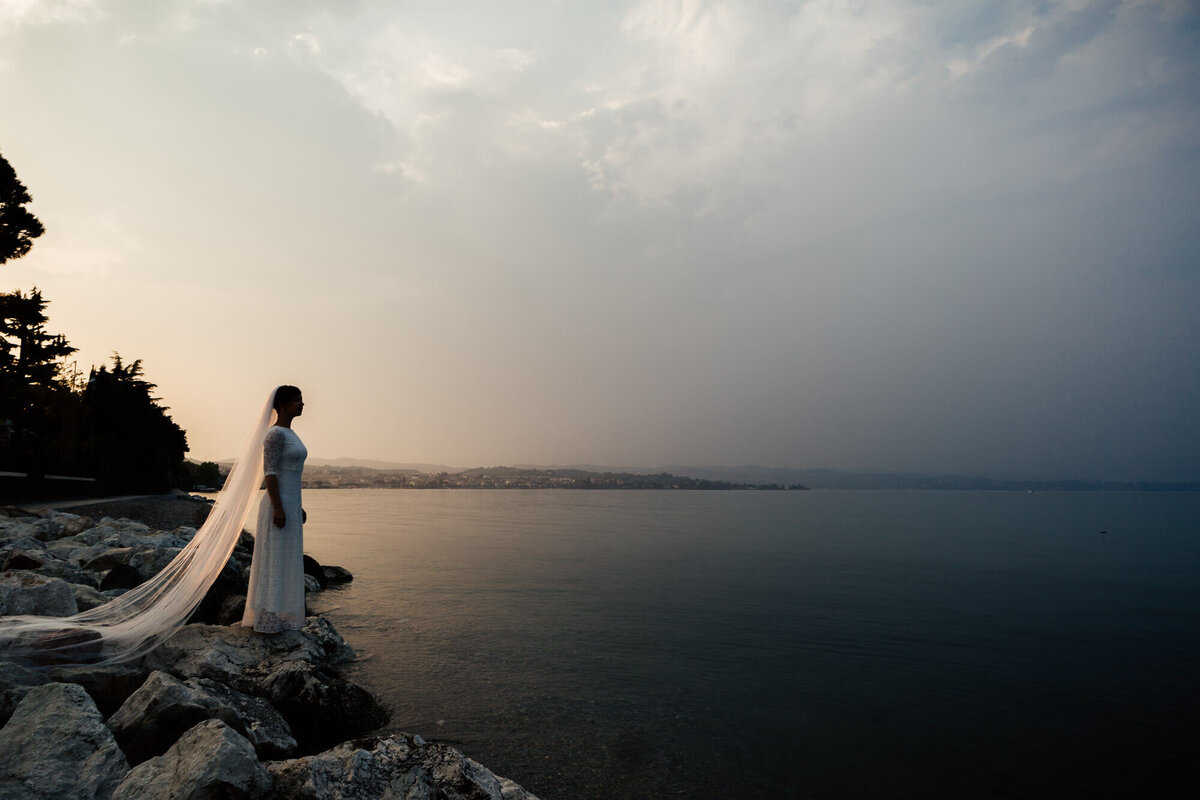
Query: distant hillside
point(358, 471)
point(326, 477)
point(382, 465)
point(854, 479)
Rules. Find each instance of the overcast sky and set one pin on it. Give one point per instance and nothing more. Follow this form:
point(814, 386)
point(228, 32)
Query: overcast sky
point(937, 236)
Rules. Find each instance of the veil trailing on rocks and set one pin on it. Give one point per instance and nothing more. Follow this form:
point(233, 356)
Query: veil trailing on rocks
point(136, 622)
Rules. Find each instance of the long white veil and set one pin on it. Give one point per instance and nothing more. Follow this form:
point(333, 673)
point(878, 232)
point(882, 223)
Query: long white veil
point(134, 623)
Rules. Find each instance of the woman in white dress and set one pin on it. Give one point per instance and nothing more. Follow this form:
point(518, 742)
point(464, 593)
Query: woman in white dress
point(127, 627)
point(275, 599)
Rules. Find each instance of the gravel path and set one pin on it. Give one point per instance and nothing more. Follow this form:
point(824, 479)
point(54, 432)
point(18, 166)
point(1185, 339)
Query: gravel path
point(161, 512)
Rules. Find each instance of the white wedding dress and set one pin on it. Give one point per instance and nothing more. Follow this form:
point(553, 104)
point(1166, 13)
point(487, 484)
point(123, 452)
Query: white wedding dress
point(275, 599)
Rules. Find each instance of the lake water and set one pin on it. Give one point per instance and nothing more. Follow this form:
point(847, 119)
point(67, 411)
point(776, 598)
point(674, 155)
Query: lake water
point(781, 644)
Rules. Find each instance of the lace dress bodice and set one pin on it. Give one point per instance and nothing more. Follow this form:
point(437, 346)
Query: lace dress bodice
point(283, 457)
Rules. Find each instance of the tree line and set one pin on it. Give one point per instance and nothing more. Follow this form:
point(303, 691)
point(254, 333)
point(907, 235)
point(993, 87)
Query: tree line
point(109, 427)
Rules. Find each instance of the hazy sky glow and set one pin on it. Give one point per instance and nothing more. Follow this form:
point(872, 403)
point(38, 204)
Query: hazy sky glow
point(942, 236)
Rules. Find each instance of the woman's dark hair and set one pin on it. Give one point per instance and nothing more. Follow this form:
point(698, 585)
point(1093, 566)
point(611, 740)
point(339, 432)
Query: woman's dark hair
point(284, 395)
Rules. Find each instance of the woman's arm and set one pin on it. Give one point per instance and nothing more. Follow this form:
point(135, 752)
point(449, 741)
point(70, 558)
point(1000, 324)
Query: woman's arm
point(276, 504)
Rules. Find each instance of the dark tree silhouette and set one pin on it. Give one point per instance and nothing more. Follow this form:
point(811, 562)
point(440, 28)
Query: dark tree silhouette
point(18, 227)
point(36, 419)
point(23, 329)
point(132, 444)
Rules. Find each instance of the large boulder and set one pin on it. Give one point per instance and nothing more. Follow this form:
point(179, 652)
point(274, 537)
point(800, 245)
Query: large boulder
point(313, 567)
point(15, 682)
point(394, 766)
point(110, 534)
point(24, 592)
point(109, 557)
point(48, 529)
point(73, 524)
point(16, 529)
point(125, 524)
point(45, 562)
point(25, 544)
point(293, 670)
point(233, 608)
point(336, 575)
point(209, 762)
point(44, 647)
point(109, 685)
point(87, 597)
point(146, 559)
point(56, 746)
point(164, 707)
point(75, 551)
point(229, 583)
point(21, 558)
point(253, 717)
point(150, 561)
point(122, 576)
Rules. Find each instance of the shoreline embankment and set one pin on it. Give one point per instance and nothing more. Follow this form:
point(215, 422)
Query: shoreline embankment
point(216, 710)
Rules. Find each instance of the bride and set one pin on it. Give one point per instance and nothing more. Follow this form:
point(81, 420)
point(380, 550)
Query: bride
point(275, 600)
point(133, 624)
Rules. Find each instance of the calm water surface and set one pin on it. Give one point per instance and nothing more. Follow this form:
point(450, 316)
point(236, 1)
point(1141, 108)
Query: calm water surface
point(781, 644)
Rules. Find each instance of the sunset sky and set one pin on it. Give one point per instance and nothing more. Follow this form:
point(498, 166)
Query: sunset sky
point(930, 236)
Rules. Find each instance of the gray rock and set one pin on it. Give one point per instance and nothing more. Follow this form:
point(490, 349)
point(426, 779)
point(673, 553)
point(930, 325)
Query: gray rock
point(49, 529)
point(177, 539)
point(311, 584)
point(75, 551)
point(108, 685)
point(336, 575)
point(253, 717)
point(13, 529)
point(24, 592)
point(313, 567)
point(125, 524)
point(72, 523)
point(156, 715)
point(511, 790)
point(109, 558)
point(151, 561)
point(293, 670)
point(87, 597)
point(45, 562)
point(164, 707)
point(395, 766)
point(113, 533)
point(233, 608)
point(20, 558)
point(56, 746)
point(104, 534)
point(209, 762)
point(229, 583)
point(15, 683)
point(122, 576)
point(25, 543)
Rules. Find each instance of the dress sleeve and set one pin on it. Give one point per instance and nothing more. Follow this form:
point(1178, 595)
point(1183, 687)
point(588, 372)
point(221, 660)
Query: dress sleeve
point(272, 451)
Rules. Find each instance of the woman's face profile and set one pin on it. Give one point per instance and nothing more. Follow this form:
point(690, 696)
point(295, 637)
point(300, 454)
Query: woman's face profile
point(295, 407)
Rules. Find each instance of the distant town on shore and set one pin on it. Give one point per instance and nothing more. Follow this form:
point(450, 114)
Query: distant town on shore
point(336, 477)
point(344, 473)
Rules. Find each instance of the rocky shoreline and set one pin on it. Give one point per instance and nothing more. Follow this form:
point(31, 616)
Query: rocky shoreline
point(216, 711)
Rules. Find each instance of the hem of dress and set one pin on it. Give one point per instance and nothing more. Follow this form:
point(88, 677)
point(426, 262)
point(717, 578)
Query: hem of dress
point(269, 622)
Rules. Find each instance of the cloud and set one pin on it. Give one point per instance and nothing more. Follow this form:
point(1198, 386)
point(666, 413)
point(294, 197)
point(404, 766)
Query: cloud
point(307, 42)
point(17, 13)
point(815, 233)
